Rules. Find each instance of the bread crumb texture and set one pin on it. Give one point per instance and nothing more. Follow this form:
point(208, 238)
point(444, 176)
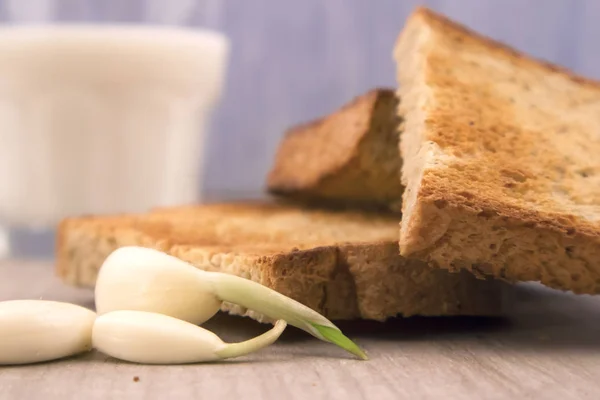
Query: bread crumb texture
point(347, 157)
point(344, 265)
point(501, 156)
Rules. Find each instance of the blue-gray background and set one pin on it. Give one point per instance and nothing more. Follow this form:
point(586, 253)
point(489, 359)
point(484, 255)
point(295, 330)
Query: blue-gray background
point(296, 59)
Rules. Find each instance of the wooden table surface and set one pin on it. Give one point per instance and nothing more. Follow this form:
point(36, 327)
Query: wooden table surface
point(548, 347)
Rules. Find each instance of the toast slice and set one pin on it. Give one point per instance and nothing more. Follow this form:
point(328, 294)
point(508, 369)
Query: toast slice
point(349, 157)
point(344, 265)
point(500, 156)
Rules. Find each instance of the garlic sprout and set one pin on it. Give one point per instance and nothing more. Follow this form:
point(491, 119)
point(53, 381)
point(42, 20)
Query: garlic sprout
point(151, 338)
point(142, 279)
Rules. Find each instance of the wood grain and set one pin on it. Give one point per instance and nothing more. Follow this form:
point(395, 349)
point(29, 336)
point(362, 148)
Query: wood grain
point(548, 347)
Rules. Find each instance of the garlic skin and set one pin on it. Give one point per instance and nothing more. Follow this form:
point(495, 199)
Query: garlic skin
point(34, 331)
point(140, 279)
point(151, 338)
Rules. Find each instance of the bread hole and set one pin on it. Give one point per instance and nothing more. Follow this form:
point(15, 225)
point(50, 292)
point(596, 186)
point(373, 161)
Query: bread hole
point(493, 246)
point(585, 172)
point(489, 147)
point(466, 195)
point(569, 251)
point(441, 203)
point(575, 277)
point(515, 175)
point(570, 231)
point(487, 214)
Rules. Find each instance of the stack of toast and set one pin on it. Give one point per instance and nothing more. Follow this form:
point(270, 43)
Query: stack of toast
point(477, 172)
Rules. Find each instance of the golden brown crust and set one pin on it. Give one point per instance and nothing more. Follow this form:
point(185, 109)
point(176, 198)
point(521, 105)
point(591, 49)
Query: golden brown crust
point(461, 32)
point(346, 157)
point(501, 159)
point(342, 264)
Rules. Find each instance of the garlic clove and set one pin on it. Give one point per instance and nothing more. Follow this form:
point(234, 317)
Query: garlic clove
point(136, 278)
point(143, 279)
point(151, 338)
point(39, 330)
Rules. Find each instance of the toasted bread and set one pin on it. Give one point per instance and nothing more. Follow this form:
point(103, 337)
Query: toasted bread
point(344, 265)
point(348, 157)
point(500, 154)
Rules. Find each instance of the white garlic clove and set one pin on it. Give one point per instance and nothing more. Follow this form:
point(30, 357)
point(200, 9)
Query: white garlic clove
point(39, 330)
point(151, 338)
point(141, 279)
